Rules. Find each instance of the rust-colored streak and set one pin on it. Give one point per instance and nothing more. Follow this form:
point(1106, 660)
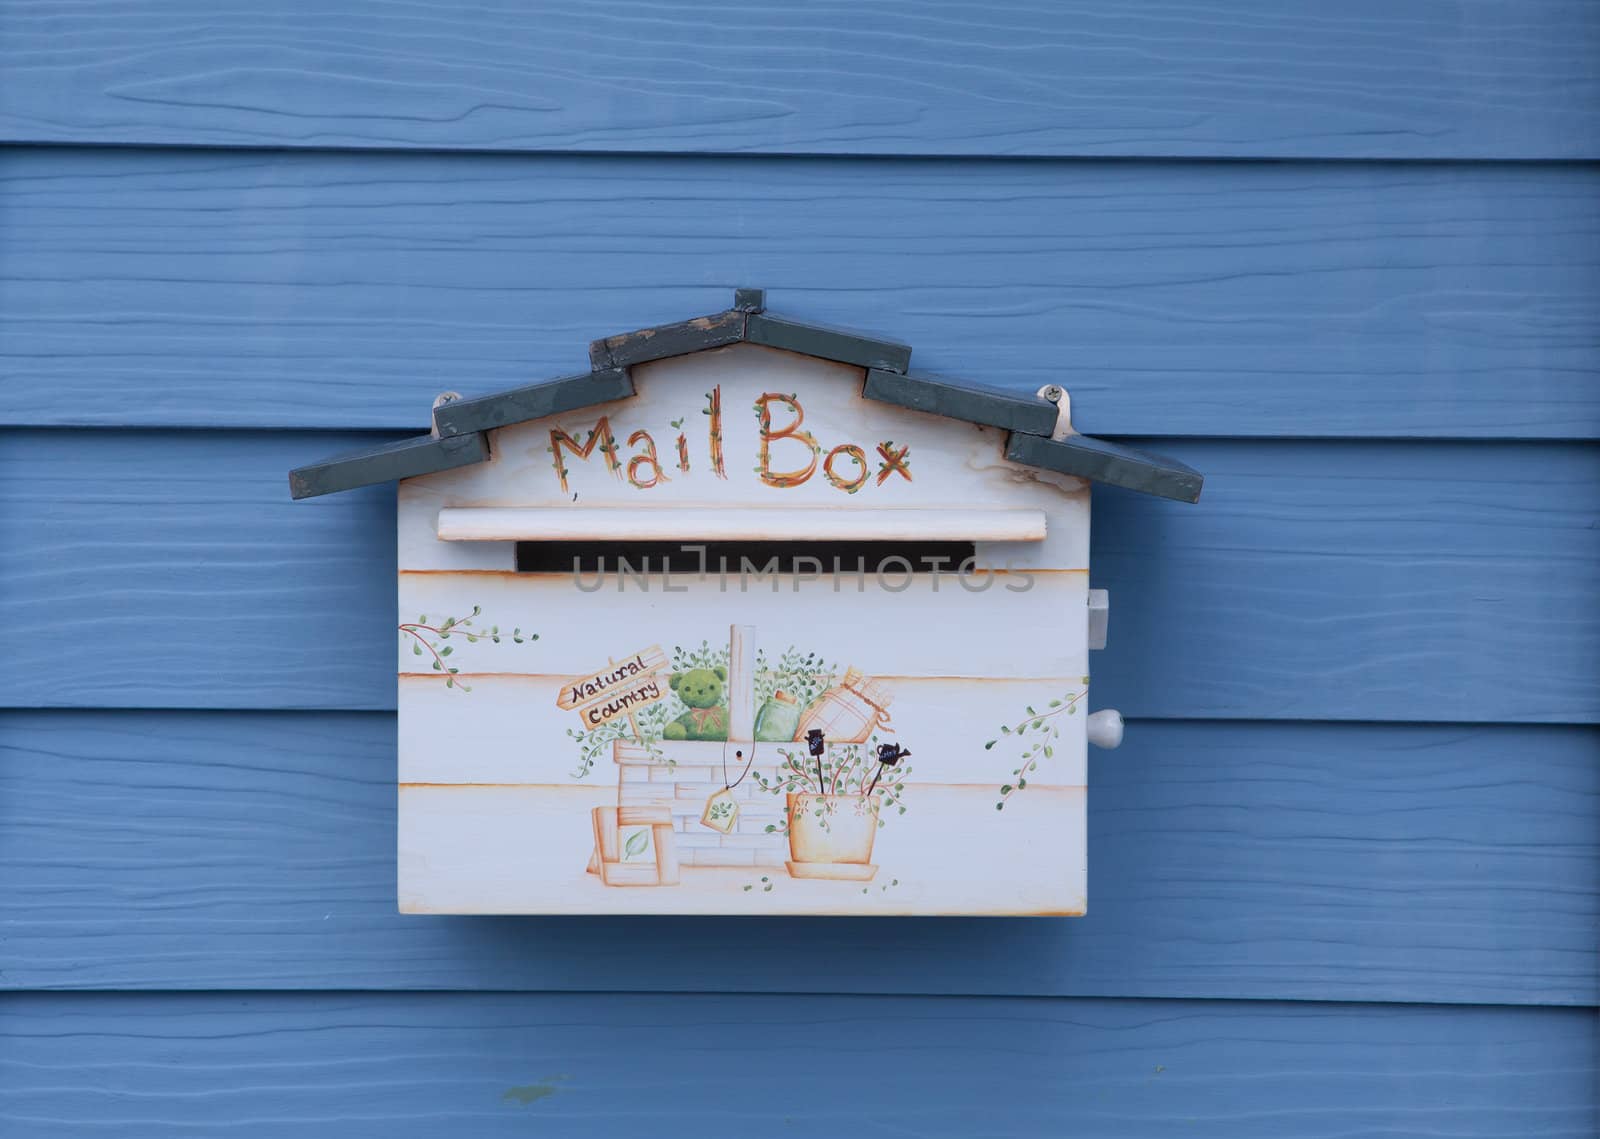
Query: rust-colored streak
point(976, 788)
point(561, 678)
point(601, 434)
point(783, 479)
point(857, 456)
point(646, 456)
point(491, 786)
point(714, 431)
point(522, 575)
point(894, 461)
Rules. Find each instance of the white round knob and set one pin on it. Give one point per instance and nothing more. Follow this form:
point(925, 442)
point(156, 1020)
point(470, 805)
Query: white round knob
point(1105, 728)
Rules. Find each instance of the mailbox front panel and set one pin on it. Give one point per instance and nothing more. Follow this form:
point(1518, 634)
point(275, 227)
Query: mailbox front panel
point(864, 735)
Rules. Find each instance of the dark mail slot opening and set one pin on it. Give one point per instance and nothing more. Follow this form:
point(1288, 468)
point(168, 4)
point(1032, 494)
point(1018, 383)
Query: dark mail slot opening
point(733, 558)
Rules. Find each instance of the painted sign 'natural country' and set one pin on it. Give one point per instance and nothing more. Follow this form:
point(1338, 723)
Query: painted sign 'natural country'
point(622, 703)
point(592, 686)
point(620, 689)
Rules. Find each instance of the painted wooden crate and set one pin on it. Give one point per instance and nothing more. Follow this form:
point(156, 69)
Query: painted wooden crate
point(747, 619)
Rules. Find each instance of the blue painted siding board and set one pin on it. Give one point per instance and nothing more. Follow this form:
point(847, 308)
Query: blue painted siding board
point(1360, 675)
point(597, 1065)
point(1178, 299)
point(1269, 861)
point(1403, 79)
point(1358, 581)
point(1332, 581)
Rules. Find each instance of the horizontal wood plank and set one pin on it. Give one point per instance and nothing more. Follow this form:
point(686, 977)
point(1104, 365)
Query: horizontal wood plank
point(1490, 79)
point(1451, 581)
point(1355, 862)
point(1335, 581)
point(200, 288)
point(604, 1065)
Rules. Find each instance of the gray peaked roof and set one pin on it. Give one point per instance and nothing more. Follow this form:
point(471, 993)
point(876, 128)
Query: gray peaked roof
point(459, 431)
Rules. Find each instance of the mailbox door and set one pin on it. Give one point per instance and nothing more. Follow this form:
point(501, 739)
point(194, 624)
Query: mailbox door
point(627, 739)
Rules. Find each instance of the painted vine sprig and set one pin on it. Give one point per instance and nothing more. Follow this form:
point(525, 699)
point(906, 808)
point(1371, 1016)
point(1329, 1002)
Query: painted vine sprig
point(1039, 734)
point(426, 636)
point(803, 676)
point(713, 409)
point(593, 742)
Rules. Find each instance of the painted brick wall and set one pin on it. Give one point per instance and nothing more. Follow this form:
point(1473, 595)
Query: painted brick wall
point(682, 789)
point(1342, 259)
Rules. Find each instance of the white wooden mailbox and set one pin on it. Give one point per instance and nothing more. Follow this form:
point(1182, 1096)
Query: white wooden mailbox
point(747, 619)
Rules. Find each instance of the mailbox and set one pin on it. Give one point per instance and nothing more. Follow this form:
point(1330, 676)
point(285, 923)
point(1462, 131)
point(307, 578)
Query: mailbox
point(747, 618)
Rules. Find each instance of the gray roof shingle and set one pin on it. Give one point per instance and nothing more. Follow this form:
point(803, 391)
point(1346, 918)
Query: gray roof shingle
point(460, 425)
point(405, 459)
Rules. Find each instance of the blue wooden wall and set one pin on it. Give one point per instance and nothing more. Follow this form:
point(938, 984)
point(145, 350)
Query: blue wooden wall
point(1344, 258)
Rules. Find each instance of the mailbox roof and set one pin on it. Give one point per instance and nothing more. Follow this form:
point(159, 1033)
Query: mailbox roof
point(459, 425)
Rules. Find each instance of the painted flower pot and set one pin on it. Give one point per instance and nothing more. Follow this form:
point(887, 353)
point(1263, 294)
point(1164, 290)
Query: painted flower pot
point(830, 836)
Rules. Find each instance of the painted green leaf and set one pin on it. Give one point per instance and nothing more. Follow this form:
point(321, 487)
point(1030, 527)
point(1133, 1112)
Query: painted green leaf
point(637, 841)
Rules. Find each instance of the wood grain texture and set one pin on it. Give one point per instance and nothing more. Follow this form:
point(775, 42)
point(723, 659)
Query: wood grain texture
point(1292, 861)
point(1487, 79)
point(1452, 581)
point(607, 1065)
point(1335, 581)
point(342, 291)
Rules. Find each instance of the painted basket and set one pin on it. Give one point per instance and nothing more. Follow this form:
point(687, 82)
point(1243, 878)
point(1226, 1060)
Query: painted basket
point(849, 712)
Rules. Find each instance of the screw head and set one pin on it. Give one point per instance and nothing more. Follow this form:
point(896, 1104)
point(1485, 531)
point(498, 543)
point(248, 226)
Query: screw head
point(1053, 393)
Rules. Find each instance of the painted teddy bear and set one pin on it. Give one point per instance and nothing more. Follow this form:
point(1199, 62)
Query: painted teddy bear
point(707, 717)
